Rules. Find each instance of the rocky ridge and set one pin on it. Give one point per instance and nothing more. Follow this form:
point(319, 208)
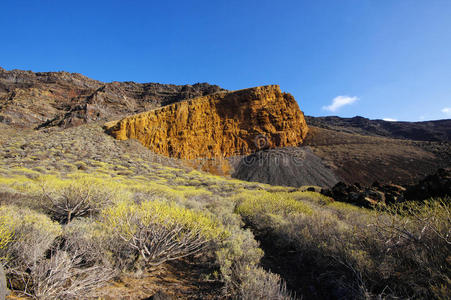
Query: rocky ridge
point(218, 125)
point(433, 131)
point(47, 99)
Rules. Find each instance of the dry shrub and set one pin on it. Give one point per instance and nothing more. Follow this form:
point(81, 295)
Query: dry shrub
point(85, 237)
point(258, 284)
point(44, 263)
point(63, 276)
point(34, 234)
point(81, 197)
point(237, 251)
point(327, 252)
point(399, 252)
point(238, 258)
point(157, 232)
point(414, 248)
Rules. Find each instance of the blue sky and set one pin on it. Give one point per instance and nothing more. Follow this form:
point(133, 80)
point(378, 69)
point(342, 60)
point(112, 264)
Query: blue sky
point(374, 58)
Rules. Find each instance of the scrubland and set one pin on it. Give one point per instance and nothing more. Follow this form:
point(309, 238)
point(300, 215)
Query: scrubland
point(82, 213)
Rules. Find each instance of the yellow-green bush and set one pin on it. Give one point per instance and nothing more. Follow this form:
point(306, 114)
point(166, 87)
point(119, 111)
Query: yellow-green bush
point(79, 196)
point(6, 230)
point(314, 197)
point(260, 203)
point(258, 284)
point(42, 265)
point(158, 231)
point(33, 235)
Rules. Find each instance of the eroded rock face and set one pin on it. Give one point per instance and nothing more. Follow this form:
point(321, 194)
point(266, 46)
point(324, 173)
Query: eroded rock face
point(47, 99)
point(218, 125)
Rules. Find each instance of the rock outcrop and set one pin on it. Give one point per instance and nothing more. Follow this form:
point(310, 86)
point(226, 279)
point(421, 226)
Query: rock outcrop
point(218, 125)
point(366, 196)
point(47, 99)
point(432, 186)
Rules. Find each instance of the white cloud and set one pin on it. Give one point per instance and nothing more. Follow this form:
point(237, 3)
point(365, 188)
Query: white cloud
point(340, 101)
point(389, 119)
point(447, 111)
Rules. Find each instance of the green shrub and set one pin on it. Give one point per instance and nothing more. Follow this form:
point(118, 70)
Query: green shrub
point(282, 204)
point(258, 284)
point(415, 247)
point(158, 232)
point(80, 196)
point(34, 233)
point(6, 230)
point(45, 261)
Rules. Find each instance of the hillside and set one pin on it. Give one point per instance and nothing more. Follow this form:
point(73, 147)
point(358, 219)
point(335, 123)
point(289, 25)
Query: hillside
point(46, 99)
point(434, 131)
point(348, 154)
point(367, 158)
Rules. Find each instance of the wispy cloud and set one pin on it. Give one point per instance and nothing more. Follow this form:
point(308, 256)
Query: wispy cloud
point(447, 111)
point(340, 101)
point(389, 119)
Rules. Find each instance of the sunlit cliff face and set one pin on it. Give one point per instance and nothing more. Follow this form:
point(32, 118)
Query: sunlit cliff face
point(218, 125)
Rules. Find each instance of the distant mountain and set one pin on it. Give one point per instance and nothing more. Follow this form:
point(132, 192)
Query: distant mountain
point(436, 131)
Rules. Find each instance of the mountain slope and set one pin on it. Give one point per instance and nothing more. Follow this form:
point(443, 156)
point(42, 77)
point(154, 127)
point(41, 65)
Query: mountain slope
point(35, 100)
point(365, 159)
point(435, 131)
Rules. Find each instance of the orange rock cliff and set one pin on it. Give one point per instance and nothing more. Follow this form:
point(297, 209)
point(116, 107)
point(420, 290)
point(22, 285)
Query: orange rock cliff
point(218, 125)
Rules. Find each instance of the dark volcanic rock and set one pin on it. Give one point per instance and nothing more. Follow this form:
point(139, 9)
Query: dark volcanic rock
point(435, 185)
point(29, 99)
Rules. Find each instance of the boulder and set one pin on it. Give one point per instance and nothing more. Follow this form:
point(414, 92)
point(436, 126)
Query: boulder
point(3, 287)
point(435, 185)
